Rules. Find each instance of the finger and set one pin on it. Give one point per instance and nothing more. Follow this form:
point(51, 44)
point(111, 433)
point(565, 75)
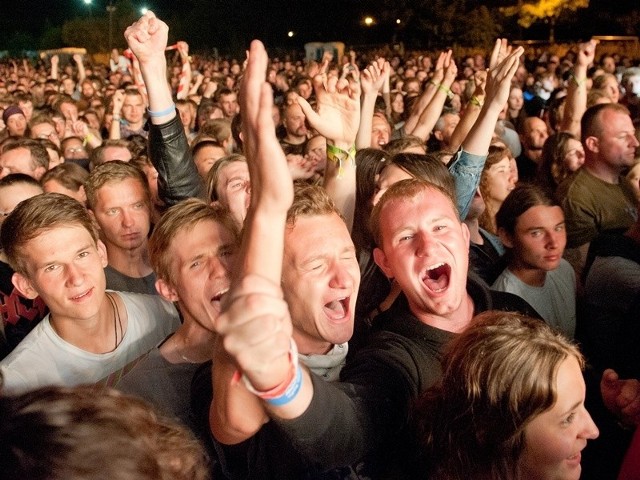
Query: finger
point(494, 54)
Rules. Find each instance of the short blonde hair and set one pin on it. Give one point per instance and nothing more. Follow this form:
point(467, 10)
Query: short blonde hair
point(183, 216)
point(40, 214)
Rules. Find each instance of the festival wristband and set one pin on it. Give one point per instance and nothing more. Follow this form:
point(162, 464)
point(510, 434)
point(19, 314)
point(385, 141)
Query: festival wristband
point(162, 113)
point(338, 156)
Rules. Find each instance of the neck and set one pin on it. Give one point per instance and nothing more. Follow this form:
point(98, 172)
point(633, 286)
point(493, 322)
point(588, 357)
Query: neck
point(533, 277)
point(474, 231)
point(98, 334)
point(131, 262)
point(308, 345)
point(454, 322)
point(602, 171)
point(191, 343)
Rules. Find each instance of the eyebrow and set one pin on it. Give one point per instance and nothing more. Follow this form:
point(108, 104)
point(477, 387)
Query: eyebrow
point(54, 260)
point(573, 407)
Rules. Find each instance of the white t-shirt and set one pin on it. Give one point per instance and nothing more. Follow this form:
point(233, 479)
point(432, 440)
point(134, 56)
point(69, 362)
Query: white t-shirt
point(555, 301)
point(43, 358)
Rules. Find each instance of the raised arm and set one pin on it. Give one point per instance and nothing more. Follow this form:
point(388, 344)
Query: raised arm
point(256, 300)
point(372, 80)
point(337, 119)
point(576, 102)
point(429, 91)
point(430, 115)
point(471, 111)
point(185, 73)
point(168, 146)
point(81, 71)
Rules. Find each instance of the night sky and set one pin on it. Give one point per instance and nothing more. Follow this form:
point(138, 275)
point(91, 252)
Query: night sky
point(269, 20)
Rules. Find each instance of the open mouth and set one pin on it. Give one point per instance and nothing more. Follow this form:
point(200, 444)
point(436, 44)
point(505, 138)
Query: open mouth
point(437, 277)
point(337, 309)
point(217, 298)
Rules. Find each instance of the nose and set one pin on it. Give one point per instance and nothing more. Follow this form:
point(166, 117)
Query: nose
point(424, 243)
point(589, 429)
point(74, 276)
point(217, 267)
point(127, 218)
point(340, 276)
point(634, 141)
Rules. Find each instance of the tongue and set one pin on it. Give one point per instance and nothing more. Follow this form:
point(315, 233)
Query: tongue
point(337, 308)
point(437, 279)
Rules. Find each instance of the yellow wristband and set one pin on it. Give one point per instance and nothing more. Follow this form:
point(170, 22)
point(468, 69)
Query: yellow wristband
point(338, 156)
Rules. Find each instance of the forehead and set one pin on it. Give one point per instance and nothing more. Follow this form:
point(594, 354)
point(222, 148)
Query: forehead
point(234, 169)
point(20, 154)
point(116, 190)
point(132, 99)
point(540, 216)
point(188, 242)
point(613, 120)
point(534, 123)
point(316, 235)
point(425, 204)
point(11, 195)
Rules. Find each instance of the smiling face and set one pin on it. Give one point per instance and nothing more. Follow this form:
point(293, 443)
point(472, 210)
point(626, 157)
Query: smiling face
point(499, 181)
point(555, 438)
point(425, 248)
point(320, 281)
point(201, 260)
point(64, 266)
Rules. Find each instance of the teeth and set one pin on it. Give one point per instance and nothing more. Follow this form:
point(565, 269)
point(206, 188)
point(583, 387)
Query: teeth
point(437, 265)
point(219, 295)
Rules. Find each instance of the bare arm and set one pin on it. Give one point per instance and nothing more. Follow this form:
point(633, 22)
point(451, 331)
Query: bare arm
point(337, 119)
point(372, 80)
point(426, 97)
point(471, 112)
point(81, 72)
point(430, 115)
point(576, 102)
point(185, 74)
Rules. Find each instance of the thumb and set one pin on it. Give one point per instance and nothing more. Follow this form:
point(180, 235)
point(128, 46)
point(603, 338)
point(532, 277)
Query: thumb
point(310, 113)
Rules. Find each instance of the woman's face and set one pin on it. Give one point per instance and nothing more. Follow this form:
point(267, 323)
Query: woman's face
point(398, 103)
point(390, 175)
point(500, 181)
point(611, 88)
point(555, 438)
point(574, 155)
point(515, 100)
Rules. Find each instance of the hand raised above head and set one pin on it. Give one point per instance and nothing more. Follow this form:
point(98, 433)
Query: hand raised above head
point(147, 37)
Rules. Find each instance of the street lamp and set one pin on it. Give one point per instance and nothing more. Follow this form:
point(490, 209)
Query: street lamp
point(111, 8)
point(88, 4)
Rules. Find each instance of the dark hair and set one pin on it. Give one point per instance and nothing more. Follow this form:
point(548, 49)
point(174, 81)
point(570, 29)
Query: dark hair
point(519, 200)
point(552, 170)
point(369, 161)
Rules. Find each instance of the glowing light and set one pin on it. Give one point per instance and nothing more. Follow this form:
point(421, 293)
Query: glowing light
point(368, 21)
point(290, 34)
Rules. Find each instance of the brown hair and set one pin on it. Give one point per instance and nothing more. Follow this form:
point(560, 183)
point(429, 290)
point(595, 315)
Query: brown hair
point(496, 154)
point(214, 173)
point(70, 175)
point(404, 190)
point(111, 172)
point(183, 216)
point(57, 433)
point(37, 214)
point(310, 200)
point(498, 375)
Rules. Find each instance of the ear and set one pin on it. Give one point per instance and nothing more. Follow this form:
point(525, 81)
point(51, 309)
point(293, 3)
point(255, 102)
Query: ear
point(592, 144)
point(465, 233)
point(24, 286)
point(438, 135)
point(166, 290)
point(102, 253)
point(83, 196)
point(505, 238)
point(381, 260)
point(39, 172)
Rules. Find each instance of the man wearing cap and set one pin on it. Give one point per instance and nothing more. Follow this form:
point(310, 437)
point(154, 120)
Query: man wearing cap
point(15, 121)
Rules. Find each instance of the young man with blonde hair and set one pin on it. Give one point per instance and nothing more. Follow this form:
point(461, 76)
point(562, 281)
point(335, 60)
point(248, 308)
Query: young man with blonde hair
point(52, 244)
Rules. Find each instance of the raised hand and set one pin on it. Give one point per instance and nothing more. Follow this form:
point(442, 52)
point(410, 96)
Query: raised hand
point(147, 38)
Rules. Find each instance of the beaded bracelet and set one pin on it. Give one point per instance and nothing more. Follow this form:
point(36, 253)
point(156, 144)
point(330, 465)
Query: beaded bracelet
point(162, 113)
point(338, 156)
